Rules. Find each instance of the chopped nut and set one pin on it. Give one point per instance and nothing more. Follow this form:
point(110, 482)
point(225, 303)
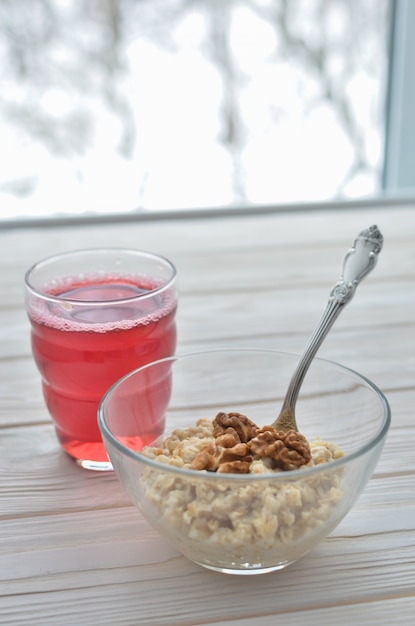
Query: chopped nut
point(214, 457)
point(237, 452)
point(234, 423)
point(228, 439)
point(206, 458)
point(287, 450)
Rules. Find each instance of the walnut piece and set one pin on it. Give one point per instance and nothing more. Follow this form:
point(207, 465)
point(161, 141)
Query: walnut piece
point(235, 423)
point(225, 455)
point(235, 467)
point(238, 441)
point(287, 450)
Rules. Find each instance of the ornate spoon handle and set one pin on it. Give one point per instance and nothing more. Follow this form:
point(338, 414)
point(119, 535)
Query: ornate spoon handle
point(358, 262)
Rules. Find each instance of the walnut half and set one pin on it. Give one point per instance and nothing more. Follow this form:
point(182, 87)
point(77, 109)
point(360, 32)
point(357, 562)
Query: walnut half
point(287, 450)
point(235, 423)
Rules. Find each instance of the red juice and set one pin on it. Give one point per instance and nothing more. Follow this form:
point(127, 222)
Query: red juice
point(82, 349)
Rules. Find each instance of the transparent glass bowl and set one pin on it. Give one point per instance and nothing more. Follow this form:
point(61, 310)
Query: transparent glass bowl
point(243, 523)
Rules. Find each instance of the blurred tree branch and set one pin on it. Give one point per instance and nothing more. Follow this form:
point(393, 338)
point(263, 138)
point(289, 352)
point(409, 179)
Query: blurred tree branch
point(62, 60)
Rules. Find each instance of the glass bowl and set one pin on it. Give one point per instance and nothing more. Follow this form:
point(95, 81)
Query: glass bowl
point(243, 523)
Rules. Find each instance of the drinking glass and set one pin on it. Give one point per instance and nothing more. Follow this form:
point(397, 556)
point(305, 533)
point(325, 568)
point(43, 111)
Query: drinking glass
point(96, 315)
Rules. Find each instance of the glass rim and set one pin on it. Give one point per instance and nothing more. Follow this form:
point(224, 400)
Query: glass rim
point(37, 292)
point(303, 472)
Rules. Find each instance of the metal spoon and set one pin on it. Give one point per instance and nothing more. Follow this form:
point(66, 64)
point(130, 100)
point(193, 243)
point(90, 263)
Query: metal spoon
point(358, 262)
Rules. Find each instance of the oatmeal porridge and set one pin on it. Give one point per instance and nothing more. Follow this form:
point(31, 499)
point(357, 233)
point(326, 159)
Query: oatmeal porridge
point(240, 520)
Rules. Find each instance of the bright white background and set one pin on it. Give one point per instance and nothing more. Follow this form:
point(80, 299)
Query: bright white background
point(270, 125)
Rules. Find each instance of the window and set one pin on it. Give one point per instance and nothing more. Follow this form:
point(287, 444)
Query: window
point(132, 105)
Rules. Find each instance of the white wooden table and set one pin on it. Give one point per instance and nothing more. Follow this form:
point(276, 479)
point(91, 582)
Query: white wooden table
point(73, 550)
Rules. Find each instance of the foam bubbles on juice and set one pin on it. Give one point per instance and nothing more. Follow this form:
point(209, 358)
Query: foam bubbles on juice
point(101, 304)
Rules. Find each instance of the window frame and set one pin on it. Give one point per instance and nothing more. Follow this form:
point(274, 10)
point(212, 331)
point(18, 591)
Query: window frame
point(399, 153)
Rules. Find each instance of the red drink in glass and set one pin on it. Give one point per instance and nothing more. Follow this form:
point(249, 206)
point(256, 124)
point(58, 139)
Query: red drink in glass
point(89, 329)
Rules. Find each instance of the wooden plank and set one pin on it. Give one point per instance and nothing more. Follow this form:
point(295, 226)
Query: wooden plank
point(81, 584)
point(382, 613)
